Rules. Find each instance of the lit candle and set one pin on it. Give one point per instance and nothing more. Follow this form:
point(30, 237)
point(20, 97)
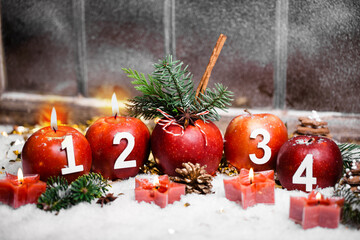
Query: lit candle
point(162, 191)
point(16, 191)
point(120, 145)
point(57, 151)
point(316, 210)
point(250, 188)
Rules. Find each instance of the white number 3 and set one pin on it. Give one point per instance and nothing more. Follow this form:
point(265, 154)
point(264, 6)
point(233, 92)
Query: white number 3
point(262, 145)
point(308, 180)
point(120, 161)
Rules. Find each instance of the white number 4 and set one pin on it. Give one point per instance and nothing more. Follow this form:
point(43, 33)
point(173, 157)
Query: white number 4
point(120, 161)
point(308, 180)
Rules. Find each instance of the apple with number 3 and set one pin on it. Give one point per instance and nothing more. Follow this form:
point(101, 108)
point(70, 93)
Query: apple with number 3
point(120, 146)
point(253, 141)
point(307, 162)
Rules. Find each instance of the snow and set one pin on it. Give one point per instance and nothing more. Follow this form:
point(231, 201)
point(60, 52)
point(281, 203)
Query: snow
point(207, 217)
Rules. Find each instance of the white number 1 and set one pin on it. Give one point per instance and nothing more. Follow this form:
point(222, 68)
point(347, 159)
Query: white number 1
point(69, 146)
point(308, 180)
point(262, 145)
point(120, 161)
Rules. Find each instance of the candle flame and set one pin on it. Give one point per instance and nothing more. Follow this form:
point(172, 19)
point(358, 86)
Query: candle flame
point(20, 176)
point(156, 181)
point(114, 105)
point(54, 120)
point(251, 175)
point(318, 196)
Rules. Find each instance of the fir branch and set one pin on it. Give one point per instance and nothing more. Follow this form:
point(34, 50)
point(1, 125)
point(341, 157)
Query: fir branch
point(217, 98)
point(170, 88)
point(60, 195)
point(351, 208)
point(349, 153)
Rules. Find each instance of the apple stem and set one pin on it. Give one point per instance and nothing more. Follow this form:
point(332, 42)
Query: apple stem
point(247, 111)
point(311, 140)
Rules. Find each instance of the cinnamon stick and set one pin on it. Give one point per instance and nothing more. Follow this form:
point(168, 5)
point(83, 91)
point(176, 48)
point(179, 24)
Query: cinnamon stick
point(214, 56)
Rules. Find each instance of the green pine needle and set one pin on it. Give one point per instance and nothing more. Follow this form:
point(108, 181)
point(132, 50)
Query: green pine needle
point(60, 195)
point(349, 152)
point(351, 211)
point(351, 208)
point(171, 89)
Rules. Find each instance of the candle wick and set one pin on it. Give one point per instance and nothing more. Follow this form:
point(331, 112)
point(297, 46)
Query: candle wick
point(54, 129)
point(115, 115)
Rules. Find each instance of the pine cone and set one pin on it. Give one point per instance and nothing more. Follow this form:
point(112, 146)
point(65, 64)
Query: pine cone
point(352, 177)
point(313, 127)
point(195, 177)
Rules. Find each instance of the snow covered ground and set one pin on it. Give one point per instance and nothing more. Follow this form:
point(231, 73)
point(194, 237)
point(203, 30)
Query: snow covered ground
point(207, 216)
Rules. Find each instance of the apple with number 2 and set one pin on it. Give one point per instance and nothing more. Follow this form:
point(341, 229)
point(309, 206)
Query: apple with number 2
point(307, 162)
point(253, 141)
point(120, 145)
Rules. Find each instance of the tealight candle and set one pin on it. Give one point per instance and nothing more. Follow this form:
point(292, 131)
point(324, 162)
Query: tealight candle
point(120, 145)
point(249, 189)
point(16, 191)
point(57, 151)
point(316, 210)
point(161, 192)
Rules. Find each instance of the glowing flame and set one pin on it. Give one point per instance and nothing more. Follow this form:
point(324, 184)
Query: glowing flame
point(62, 113)
point(318, 196)
point(156, 181)
point(251, 175)
point(114, 105)
point(54, 119)
point(20, 176)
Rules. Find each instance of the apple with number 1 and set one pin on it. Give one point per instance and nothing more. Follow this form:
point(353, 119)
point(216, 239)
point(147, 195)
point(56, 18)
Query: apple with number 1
point(253, 141)
point(307, 162)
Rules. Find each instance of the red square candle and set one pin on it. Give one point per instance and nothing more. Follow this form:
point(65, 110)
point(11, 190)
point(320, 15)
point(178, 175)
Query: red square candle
point(249, 189)
point(315, 210)
point(161, 192)
point(18, 190)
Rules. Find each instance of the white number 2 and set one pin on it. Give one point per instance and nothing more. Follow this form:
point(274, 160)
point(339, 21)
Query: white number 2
point(262, 145)
point(308, 180)
point(120, 161)
point(69, 146)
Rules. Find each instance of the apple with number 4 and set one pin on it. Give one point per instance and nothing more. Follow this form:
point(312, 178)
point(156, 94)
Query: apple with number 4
point(307, 162)
point(64, 152)
point(253, 141)
point(120, 146)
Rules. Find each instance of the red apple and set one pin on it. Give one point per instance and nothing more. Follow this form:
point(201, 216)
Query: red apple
point(253, 141)
point(120, 146)
point(47, 153)
point(306, 162)
point(202, 143)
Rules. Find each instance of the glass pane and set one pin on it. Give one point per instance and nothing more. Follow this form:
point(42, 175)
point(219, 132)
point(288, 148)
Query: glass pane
point(246, 63)
point(324, 55)
point(39, 46)
point(121, 34)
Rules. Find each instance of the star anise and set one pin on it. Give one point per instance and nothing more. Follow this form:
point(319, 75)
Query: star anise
point(106, 199)
point(187, 117)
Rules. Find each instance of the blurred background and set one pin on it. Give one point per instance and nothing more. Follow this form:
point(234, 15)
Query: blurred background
point(287, 57)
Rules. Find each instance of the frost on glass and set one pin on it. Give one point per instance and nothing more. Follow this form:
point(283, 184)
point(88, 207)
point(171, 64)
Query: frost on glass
point(246, 63)
point(39, 46)
point(324, 55)
point(121, 34)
